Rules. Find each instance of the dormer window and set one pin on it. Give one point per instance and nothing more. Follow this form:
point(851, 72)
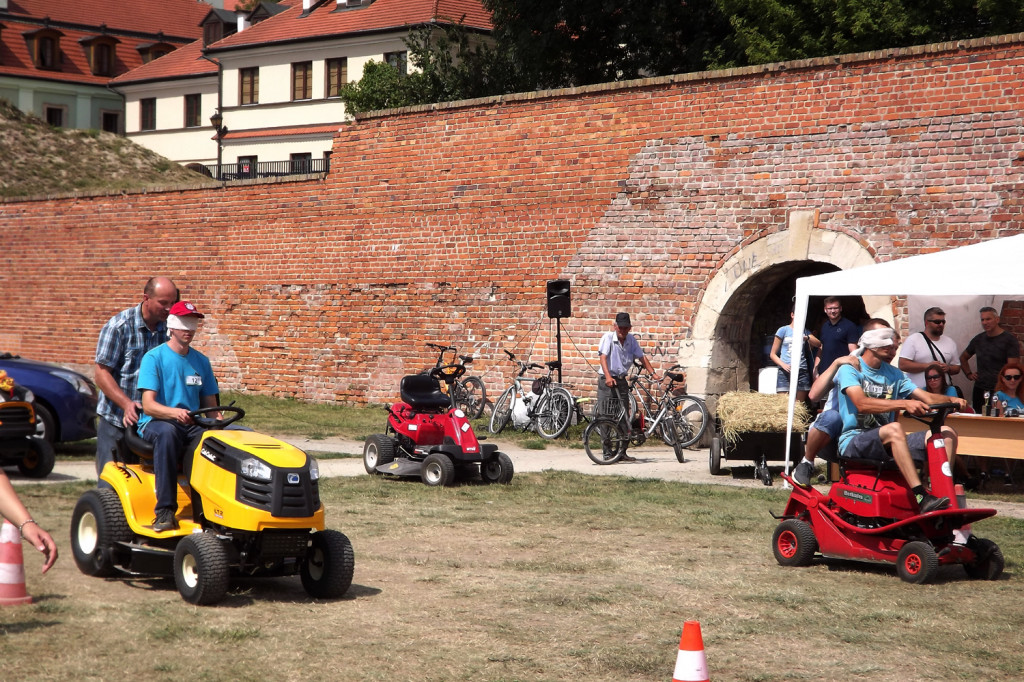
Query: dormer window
point(151, 51)
point(101, 52)
point(44, 47)
point(218, 25)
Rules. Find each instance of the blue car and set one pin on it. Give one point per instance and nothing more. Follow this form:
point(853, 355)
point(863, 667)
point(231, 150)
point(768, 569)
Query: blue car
point(65, 401)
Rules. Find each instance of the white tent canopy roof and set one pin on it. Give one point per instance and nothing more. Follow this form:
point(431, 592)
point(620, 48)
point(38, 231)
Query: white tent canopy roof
point(994, 267)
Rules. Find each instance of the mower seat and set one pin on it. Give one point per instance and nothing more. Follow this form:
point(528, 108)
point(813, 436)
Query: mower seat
point(138, 445)
point(423, 393)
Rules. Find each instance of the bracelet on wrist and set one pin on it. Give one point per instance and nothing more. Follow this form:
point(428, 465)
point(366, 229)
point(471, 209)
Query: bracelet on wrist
point(23, 524)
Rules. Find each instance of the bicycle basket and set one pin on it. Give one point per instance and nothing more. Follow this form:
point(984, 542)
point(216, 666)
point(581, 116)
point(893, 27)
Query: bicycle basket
point(540, 384)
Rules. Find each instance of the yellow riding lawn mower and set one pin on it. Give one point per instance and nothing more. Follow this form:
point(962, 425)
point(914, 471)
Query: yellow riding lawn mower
point(249, 506)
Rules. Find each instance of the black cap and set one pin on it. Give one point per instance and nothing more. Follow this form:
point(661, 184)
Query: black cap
point(622, 320)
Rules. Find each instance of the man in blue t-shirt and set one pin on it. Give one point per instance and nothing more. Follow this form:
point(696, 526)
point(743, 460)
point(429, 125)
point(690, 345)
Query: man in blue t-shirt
point(838, 336)
point(869, 397)
point(175, 380)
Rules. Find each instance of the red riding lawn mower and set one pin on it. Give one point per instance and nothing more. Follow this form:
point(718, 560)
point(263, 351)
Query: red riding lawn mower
point(429, 437)
point(870, 514)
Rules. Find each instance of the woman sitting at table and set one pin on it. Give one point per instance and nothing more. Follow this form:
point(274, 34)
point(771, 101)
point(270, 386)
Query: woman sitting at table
point(935, 381)
point(1010, 388)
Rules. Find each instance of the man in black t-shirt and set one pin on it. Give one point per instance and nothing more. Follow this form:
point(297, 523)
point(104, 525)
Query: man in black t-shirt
point(994, 347)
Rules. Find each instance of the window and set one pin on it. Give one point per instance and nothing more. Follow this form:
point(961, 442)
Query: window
point(247, 166)
point(193, 112)
point(399, 60)
point(302, 80)
point(249, 85)
point(102, 59)
point(212, 32)
point(54, 115)
point(337, 75)
point(46, 52)
point(110, 121)
point(151, 51)
point(301, 163)
point(147, 114)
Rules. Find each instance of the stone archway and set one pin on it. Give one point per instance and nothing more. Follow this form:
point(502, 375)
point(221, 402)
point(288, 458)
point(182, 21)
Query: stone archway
point(717, 352)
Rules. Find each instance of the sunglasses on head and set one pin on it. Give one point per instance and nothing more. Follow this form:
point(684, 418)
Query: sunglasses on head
point(1011, 377)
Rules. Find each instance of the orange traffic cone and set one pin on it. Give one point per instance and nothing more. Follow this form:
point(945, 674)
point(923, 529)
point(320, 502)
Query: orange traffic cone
point(12, 568)
point(691, 665)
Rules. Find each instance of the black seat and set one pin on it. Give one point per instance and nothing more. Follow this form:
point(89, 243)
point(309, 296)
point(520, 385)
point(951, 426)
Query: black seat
point(423, 393)
point(137, 444)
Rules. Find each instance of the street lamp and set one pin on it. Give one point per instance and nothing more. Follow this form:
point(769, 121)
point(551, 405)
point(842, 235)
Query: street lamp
point(217, 121)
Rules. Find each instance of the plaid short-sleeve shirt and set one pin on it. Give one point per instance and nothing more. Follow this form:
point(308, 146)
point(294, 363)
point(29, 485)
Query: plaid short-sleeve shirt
point(123, 341)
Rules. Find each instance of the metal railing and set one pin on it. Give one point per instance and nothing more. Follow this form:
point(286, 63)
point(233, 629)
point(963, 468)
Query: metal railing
point(266, 169)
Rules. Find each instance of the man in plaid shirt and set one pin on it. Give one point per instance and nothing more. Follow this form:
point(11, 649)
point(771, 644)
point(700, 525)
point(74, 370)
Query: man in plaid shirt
point(124, 339)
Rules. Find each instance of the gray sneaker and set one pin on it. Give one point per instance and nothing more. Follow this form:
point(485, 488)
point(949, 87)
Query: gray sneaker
point(802, 474)
point(165, 521)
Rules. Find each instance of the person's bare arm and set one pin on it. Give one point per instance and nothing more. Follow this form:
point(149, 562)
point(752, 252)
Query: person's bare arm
point(866, 405)
point(158, 411)
point(105, 381)
point(823, 384)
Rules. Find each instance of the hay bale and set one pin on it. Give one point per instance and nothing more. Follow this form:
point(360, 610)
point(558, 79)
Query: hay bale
point(745, 411)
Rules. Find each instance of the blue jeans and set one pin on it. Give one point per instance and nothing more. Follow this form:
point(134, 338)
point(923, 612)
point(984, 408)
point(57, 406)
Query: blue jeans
point(173, 443)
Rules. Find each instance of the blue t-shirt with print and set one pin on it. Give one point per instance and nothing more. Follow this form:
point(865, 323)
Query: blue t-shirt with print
point(179, 380)
point(885, 383)
point(1012, 401)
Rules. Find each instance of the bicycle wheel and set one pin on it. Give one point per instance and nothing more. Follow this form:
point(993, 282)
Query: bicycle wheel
point(502, 411)
point(605, 441)
point(690, 416)
point(470, 396)
point(554, 413)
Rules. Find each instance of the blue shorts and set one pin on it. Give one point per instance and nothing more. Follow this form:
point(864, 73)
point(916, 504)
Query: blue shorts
point(829, 422)
point(803, 382)
point(867, 445)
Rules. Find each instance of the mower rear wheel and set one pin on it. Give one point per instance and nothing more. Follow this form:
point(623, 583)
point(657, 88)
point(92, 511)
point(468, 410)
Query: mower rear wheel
point(793, 543)
point(201, 569)
point(497, 470)
point(917, 562)
point(379, 449)
point(97, 523)
point(502, 411)
point(39, 460)
point(438, 470)
point(329, 565)
point(989, 563)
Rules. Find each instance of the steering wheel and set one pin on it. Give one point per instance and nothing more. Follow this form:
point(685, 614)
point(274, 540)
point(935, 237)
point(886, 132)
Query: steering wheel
point(936, 416)
point(448, 373)
point(198, 416)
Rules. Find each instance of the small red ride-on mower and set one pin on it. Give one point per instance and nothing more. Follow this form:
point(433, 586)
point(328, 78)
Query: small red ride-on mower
point(430, 437)
point(870, 514)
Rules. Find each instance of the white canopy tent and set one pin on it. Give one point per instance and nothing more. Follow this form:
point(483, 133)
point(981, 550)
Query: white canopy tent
point(992, 270)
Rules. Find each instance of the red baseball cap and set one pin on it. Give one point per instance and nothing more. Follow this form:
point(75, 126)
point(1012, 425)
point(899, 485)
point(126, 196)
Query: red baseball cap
point(184, 309)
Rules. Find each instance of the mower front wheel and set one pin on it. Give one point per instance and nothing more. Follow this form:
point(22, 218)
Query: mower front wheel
point(329, 565)
point(379, 449)
point(793, 543)
point(438, 470)
point(497, 470)
point(97, 523)
point(917, 562)
point(39, 460)
point(201, 569)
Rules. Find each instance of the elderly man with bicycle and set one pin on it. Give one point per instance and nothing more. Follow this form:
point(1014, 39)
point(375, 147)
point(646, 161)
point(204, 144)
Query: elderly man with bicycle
point(618, 350)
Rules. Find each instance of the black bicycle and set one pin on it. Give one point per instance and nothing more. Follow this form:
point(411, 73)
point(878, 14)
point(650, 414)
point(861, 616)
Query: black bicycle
point(469, 391)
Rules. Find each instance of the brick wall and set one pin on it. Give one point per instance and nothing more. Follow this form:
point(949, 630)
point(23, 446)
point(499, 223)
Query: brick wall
point(443, 223)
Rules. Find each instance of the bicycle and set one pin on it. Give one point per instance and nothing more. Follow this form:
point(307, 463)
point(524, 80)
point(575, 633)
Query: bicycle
point(470, 394)
point(546, 406)
point(690, 415)
point(606, 437)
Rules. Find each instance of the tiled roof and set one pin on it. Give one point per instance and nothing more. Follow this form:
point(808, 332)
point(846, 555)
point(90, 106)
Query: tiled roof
point(80, 20)
point(329, 129)
point(326, 20)
point(182, 63)
point(176, 18)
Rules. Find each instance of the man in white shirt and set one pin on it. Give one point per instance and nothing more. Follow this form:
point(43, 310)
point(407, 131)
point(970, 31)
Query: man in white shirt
point(929, 347)
point(618, 349)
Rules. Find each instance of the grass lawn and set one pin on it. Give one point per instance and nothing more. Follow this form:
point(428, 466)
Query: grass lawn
point(558, 576)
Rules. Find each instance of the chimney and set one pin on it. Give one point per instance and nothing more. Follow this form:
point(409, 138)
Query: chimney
point(341, 3)
point(305, 6)
point(3, 4)
point(243, 23)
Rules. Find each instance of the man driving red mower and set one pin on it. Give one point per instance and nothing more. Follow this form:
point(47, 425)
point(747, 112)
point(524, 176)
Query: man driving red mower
point(869, 398)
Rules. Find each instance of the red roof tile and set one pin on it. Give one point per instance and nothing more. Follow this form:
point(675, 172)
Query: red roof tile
point(382, 15)
point(182, 63)
point(176, 18)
